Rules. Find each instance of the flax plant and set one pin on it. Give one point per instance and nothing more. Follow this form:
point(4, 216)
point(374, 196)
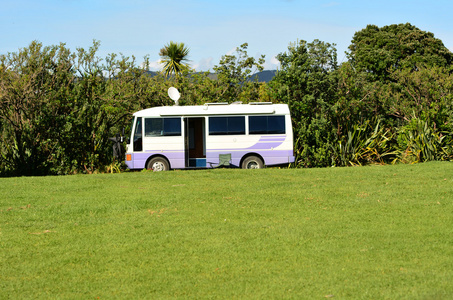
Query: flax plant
point(365, 144)
point(419, 142)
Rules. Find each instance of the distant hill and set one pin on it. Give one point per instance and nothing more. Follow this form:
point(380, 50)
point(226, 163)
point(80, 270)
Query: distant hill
point(264, 76)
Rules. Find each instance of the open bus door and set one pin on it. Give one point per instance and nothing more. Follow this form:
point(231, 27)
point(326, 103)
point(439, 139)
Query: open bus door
point(195, 142)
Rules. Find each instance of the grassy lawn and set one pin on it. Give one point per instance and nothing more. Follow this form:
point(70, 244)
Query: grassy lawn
point(382, 232)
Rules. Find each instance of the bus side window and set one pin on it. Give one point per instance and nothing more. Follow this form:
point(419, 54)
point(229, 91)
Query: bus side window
point(162, 127)
point(276, 125)
point(267, 125)
point(172, 127)
point(138, 145)
point(153, 127)
point(227, 125)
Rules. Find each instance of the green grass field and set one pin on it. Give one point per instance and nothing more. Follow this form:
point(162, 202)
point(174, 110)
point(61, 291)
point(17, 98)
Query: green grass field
point(381, 232)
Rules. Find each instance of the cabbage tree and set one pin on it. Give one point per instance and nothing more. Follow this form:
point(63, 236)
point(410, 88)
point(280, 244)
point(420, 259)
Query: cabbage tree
point(174, 57)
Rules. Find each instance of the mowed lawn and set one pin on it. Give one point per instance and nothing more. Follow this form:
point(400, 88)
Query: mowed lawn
point(379, 232)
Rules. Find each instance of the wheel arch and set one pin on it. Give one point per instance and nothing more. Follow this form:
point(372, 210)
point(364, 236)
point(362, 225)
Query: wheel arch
point(157, 155)
point(251, 154)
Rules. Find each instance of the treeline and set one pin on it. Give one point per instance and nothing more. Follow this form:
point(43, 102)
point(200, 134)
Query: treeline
point(391, 101)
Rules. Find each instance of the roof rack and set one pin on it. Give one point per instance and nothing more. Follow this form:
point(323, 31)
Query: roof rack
point(260, 103)
point(216, 103)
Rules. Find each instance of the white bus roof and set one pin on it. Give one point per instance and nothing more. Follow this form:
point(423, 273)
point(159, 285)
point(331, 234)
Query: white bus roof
point(215, 109)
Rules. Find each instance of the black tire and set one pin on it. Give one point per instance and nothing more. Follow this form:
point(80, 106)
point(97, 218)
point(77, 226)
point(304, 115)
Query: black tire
point(252, 162)
point(158, 164)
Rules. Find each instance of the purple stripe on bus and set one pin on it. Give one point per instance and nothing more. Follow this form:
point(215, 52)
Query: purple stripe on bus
point(266, 145)
point(268, 142)
point(272, 138)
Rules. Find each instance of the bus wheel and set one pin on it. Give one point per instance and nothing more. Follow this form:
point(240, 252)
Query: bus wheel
point(158, 164)
point(252, 162)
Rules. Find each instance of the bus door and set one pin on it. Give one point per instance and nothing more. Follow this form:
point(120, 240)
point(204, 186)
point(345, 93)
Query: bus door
point(195, 142)
point(138, 136)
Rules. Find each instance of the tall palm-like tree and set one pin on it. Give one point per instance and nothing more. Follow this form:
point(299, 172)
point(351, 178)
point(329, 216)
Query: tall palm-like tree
point(174, 58)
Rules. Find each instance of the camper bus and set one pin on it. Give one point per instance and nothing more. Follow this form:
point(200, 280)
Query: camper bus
point(248, 136)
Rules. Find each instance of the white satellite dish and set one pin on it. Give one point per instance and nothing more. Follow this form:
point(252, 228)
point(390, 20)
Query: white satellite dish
point(174, 94)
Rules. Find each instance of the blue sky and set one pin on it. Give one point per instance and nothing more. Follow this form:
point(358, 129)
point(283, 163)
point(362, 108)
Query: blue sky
point(209, 28)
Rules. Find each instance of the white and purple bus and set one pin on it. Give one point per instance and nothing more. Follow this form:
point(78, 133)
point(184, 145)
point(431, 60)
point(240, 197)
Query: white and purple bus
point(248, 136)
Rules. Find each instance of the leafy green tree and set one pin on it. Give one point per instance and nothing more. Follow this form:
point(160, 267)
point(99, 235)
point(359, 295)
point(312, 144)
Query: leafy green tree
point(196, 88)
point(307, 83)
point(234, 73)
point(58, 108)
point(35, 95)
point(107, 93)
point(395, 75)
point(174, 58)
point(379, 51)
point(358, 100)
point(426, 94)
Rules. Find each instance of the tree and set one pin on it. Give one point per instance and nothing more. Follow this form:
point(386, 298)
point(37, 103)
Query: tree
point(307, 83)
point(58, 109)
point(395, 73)
point(35, 95)
point(234, 73)
point(380, 51)
point(174, 58)
point(426, 94)
point(397, 78)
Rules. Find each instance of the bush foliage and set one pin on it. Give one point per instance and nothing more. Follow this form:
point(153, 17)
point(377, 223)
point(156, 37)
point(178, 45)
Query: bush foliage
point(390, 102)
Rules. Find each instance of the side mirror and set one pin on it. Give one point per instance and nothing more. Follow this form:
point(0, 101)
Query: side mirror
point(122, 136)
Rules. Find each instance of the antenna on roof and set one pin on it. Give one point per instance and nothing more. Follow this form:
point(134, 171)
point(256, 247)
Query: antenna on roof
point(174, 94)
